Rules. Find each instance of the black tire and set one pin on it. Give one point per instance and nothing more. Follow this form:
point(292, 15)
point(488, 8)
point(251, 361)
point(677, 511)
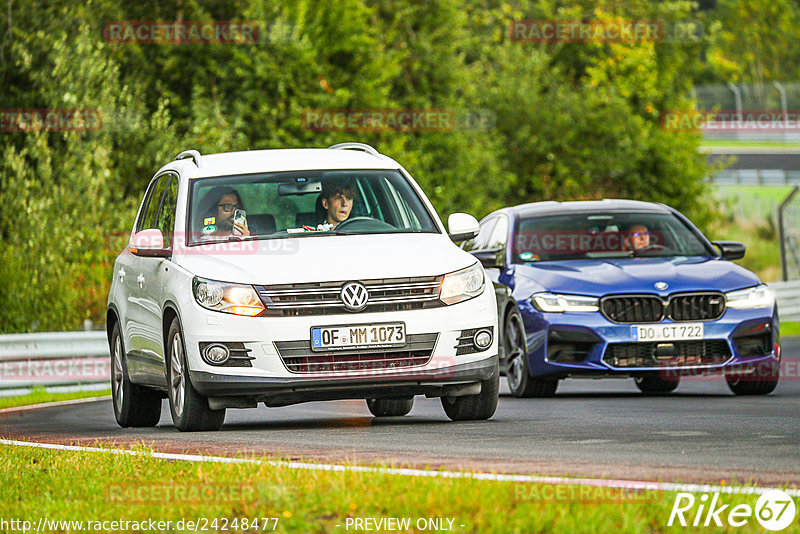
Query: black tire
point(655, 384)
point(475, 407)
point(134, 406)
point(518, 375)
point(390, 407)
point(750, 385)
point(190, 410)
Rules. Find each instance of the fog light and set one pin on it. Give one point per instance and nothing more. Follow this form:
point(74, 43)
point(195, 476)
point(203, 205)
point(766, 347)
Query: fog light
point(217, 354)
point(482, 339)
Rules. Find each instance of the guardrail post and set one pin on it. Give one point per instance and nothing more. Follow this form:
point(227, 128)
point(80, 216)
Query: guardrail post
point(782, 232)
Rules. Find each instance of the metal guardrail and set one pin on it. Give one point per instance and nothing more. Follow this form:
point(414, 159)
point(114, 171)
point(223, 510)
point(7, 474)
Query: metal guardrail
point(788, 297)
point(775, 177)
point(53, 358)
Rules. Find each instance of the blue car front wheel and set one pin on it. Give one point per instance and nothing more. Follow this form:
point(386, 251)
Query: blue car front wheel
point(518, 374)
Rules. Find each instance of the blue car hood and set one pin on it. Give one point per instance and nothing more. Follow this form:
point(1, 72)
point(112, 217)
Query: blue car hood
point(632, 275)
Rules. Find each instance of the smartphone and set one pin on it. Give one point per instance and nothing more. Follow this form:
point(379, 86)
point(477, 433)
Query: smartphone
point(239, 217)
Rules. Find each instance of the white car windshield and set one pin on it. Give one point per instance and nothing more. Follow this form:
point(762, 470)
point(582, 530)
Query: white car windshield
point(304, 204)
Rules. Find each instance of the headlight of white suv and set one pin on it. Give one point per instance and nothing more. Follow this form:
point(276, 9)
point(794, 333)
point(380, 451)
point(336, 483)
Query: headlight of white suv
point(753, 297)
point(557, 303)
point(462, 285)
point(237, 299)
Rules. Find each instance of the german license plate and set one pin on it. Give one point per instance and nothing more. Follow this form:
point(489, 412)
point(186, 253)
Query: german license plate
point(361, 336)
point(667, 332)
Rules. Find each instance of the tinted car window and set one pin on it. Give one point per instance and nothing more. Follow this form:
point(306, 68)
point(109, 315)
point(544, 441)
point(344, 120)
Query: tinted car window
point(481, 241)
point(602, 235)
point(289, 204)
point(499, 234)
point(149, 217)
point(166, 217)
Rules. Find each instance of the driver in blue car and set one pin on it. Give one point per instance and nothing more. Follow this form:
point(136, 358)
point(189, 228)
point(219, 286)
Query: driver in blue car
point(638, 237)
point(337, 201)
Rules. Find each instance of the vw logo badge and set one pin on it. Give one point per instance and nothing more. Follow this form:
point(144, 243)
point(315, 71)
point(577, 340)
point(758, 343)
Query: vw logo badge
point(661, 285)
point(354, 296)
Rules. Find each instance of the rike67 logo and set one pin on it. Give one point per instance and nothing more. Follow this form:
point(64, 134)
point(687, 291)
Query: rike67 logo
point(775, 510)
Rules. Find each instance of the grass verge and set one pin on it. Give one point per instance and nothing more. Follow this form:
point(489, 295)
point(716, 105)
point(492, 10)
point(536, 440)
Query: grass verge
point(749, 217)
point(790, 328)
point(82, 486)
point(40, 395)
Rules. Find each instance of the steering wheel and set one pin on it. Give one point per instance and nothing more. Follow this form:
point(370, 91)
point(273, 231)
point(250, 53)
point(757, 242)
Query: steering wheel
point(652, 247)
point(354, 219)
point(368, 222)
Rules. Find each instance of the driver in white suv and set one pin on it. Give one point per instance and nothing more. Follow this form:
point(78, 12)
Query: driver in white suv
point(337, 201)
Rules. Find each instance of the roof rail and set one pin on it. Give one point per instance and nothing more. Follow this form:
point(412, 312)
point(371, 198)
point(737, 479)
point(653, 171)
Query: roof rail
point(357, 146)
point(194, 154)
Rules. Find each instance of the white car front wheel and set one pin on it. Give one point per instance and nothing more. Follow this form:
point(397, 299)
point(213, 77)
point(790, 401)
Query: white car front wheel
point(190, 410)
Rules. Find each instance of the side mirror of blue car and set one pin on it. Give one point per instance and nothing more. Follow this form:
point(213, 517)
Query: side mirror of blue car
point(490, 258)
point(730, 250)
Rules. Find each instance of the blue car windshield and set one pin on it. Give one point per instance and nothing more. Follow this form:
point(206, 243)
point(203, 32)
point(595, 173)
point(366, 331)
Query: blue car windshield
point(604, 235)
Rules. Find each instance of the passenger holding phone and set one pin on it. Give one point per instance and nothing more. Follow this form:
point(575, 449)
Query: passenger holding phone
point(224, 213)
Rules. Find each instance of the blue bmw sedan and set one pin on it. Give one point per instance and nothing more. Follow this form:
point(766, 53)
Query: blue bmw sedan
point(624, 288)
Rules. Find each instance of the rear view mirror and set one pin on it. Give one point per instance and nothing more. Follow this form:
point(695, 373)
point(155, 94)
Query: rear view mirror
point(462, 226)
point(490, 258)
point(149, 243)
point(730, 250)
point(299, 188)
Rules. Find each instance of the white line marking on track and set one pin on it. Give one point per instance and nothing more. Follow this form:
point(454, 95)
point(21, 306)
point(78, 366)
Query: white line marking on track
point(682, 433)
point(54, 403)
point(496, 477)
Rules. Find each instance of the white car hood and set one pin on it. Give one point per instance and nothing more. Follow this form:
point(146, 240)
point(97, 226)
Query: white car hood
point(325, 258)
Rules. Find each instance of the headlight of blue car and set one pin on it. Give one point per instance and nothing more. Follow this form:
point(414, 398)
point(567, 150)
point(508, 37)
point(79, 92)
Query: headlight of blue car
point(559, 303)
point(750, 298)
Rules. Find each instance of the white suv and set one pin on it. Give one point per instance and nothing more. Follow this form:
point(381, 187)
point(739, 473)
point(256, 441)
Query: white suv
point(285, 276)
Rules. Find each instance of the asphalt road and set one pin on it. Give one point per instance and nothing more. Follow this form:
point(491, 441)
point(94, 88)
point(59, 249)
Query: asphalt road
point(701, 433)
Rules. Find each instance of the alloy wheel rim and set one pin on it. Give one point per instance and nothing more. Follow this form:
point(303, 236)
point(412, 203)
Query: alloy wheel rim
point(117, 380)
point(516, 367)
point(177, 381)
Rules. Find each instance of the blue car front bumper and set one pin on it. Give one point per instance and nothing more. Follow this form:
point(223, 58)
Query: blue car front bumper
point(586, 343)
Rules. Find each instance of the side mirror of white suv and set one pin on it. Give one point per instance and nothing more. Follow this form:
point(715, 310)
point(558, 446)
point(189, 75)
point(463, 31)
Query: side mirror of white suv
point(148, 242)
point(462, 227)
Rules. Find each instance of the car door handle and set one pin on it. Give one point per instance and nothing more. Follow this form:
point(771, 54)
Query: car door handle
point(140, 279)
